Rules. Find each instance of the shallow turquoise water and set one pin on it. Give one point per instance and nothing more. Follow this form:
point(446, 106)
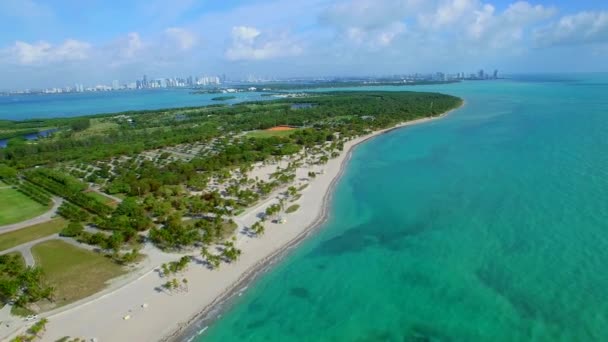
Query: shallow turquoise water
point(488, 225)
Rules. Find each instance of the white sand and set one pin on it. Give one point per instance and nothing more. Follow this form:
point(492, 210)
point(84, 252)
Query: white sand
point(101, 316)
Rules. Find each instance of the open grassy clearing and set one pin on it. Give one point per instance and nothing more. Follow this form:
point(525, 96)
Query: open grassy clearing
point(98, 126)
point(16, 207)
point(31, 233)
point(75, 273)
point(102, 199)
point(268, 134)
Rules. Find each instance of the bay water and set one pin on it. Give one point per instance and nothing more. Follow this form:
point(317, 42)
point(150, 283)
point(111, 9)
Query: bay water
point(41, 106)
point(490, 224)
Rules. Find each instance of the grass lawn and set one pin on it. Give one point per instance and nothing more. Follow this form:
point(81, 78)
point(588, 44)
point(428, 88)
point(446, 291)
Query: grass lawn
point(268, 134)
point(75, 272)
point(121, 196)
point(16, 207)
point(102, 199)
point(17, 237)
point(98, 126)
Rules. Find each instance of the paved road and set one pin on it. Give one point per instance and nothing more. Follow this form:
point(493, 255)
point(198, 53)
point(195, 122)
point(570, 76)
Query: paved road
point(26, 248)
point(40, 219)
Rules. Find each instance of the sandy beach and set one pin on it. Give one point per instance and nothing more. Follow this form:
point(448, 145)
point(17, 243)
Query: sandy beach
point(158, 315)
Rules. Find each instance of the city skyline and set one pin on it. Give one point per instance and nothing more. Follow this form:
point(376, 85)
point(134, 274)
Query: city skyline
point(221, 81)
point(43, 45)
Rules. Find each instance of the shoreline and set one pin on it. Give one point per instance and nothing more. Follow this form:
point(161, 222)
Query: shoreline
point(212, 311)
point(156, 315)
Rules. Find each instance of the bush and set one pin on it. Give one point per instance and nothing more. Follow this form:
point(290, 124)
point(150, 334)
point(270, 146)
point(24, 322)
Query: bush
point(81, 124)
point(292, 208)
point(73, 229)
point(73, 212)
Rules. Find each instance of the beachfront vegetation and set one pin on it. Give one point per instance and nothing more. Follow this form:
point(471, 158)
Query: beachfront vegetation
point(73, 272)
point(174, 267)
point(31, 233)
point(258, 228)
point(33, 333)
point(292, 208)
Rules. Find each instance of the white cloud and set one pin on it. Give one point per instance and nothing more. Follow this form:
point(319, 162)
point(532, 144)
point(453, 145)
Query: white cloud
point(450, 12)
point(376, 38)
point(184, 39)
point(580, 28)
point(369, 14)
point(245, 34)
point(248, 43)
point(465, 23)
point(129, 46)
point(43, 52)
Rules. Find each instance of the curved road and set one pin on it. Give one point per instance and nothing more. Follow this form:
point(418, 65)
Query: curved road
point(39, 219)
point(26, 248)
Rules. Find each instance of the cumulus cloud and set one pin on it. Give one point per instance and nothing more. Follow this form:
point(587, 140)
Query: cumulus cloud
point(379, 37)
point(503, 30)
point(127, 47)
point(184, 39)
point(248, 43)
point(463, 22)
point(368, 14)
point(580, 28)
point(44, 53)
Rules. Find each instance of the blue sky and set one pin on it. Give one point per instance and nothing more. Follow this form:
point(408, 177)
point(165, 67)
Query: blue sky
point(61, 42)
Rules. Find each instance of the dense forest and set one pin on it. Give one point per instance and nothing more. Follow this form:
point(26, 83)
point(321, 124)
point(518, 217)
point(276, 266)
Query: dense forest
point(145, 130)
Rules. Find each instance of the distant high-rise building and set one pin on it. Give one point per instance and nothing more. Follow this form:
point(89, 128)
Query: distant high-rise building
point(480, 74)
point(144, 83)
point(115, 85)
point(495, 74)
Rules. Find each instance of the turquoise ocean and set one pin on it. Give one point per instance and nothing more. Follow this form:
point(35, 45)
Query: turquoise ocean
point(488, 225)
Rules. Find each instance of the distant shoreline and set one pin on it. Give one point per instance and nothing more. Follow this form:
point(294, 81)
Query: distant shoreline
point(209, 314)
